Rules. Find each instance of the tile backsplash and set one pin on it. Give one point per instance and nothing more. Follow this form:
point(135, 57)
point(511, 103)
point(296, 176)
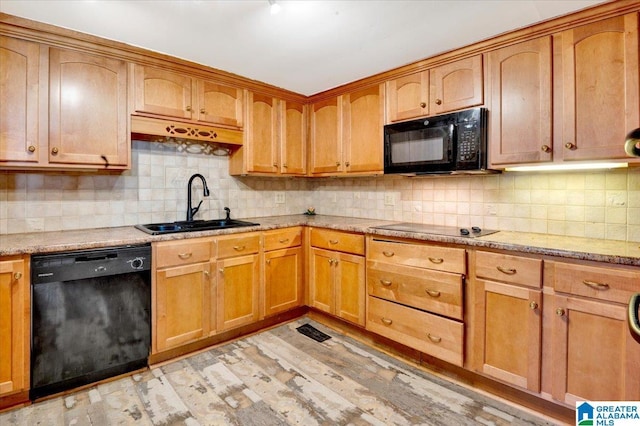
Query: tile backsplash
point(598, 204)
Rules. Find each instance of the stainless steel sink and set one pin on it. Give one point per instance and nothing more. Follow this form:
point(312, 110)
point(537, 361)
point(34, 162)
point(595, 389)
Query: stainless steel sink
point(192, 225)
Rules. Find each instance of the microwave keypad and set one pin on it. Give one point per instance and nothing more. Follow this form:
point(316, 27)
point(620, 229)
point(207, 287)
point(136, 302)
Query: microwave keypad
point(467, 145)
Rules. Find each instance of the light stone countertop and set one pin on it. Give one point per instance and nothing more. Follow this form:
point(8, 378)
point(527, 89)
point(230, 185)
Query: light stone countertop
point(610, 251)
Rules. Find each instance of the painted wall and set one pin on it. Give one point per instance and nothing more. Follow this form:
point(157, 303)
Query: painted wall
point(603, 204)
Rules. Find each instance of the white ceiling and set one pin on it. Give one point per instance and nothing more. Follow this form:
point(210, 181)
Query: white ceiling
point(310, 46)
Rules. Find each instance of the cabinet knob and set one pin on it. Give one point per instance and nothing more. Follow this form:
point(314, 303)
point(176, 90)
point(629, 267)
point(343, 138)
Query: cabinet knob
point(347, 164)
point(268, 261)
point(17, 276)
point(31, 148)
point(54, 150)
point(438, 102)
point(533, 306)
point(206, 274)
point(423, 104)
point(188, 108)
point(285, 165)
point(546, 148)
point(434, 339)
point(330, 261)
point(202, 111)
point(386, 321)
point(338, 163)
point(560, 312)
point(570, 145)
point(275, 164)
point(508, 271)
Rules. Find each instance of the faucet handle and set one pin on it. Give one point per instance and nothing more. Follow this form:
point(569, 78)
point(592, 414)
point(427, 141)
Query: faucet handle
point(228, 210)
point(195, 209)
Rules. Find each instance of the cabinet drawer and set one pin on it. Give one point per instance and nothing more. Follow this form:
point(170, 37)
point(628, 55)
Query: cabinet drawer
point(446, 259)
point(282, 238)
point(431, 334)
point(509, 269)
point(336, 240)
point(438, 292)
point(604, 283)
point(183, 252)
point(238, 245)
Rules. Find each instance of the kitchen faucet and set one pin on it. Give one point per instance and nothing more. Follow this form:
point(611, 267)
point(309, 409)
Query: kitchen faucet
point(192, 211)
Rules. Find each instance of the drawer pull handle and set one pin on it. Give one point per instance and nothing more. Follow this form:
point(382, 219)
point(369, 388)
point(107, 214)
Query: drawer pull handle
point(333, 241)
point(17, 276)
point(434, 339)
point(283, 240)
point(238, 248)
point(596, 286)
point(386, 321)
point(388, 253)
point(560, 312)
point(185, 255)
point(533, 306)
point(436, 260)
point(432, 293)
point(385, 283)
point(508, 271)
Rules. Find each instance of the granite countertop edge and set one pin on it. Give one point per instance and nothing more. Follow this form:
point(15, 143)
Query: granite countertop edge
point(608, 251)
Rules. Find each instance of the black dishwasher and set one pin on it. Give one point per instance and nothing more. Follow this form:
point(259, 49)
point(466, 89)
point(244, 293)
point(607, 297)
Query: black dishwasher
point(90, 316)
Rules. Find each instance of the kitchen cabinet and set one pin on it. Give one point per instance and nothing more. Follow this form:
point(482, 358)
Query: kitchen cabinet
point(293, 140)
point(15, 319)
point(594, 355)
point(261, 136)
point(346, 133)
point(507, 320)
point(283, 270)
point(415, 295)
point(337, 274)
point(448, 87)
point(180, 296)
point(171, 94)
point(82, 97)
point(597, 93)
point(19, 94)
point(520, 103)
point(238, 280)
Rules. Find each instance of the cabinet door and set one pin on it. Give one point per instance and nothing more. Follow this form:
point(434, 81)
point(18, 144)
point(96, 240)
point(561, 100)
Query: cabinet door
point(238, 291)
point(293, 140)
point(520, 91)
point(598, 101)
point(219, 104)
point(350, 287)
point(456, 85)
point(408, 97)
point(261, 143)
point(89, 120)
point(326, 137)
point(507, 325)
point(282, 280)
point(321, 279)
point(163, 92)
point(15, 318)
point(362, 133)
point(19, 96)
point(595, 357)
point(181, 305)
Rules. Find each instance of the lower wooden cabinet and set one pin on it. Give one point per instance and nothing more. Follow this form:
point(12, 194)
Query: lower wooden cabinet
point(283, 270)
point(15, 317)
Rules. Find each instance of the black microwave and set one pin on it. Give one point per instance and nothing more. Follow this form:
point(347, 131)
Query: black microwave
point(454, 143)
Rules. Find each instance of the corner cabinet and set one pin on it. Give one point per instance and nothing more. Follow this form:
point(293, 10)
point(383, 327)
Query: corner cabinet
point(83, 99)
point(597, 86)
point(337, 274)
point(15, 320)
point(346, 133)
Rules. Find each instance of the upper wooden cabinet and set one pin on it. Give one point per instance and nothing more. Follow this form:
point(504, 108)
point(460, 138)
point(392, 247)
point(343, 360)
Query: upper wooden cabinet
point(520, 103)
point(346, 133)
point(456, 85)
point(161, 92)
point(449, 87)
point(82, 97)
point(19, 95)
point(274, 138)
point(596, 86)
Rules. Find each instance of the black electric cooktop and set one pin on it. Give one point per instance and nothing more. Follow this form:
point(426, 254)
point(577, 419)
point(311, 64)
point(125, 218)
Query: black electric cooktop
point(450, 231)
